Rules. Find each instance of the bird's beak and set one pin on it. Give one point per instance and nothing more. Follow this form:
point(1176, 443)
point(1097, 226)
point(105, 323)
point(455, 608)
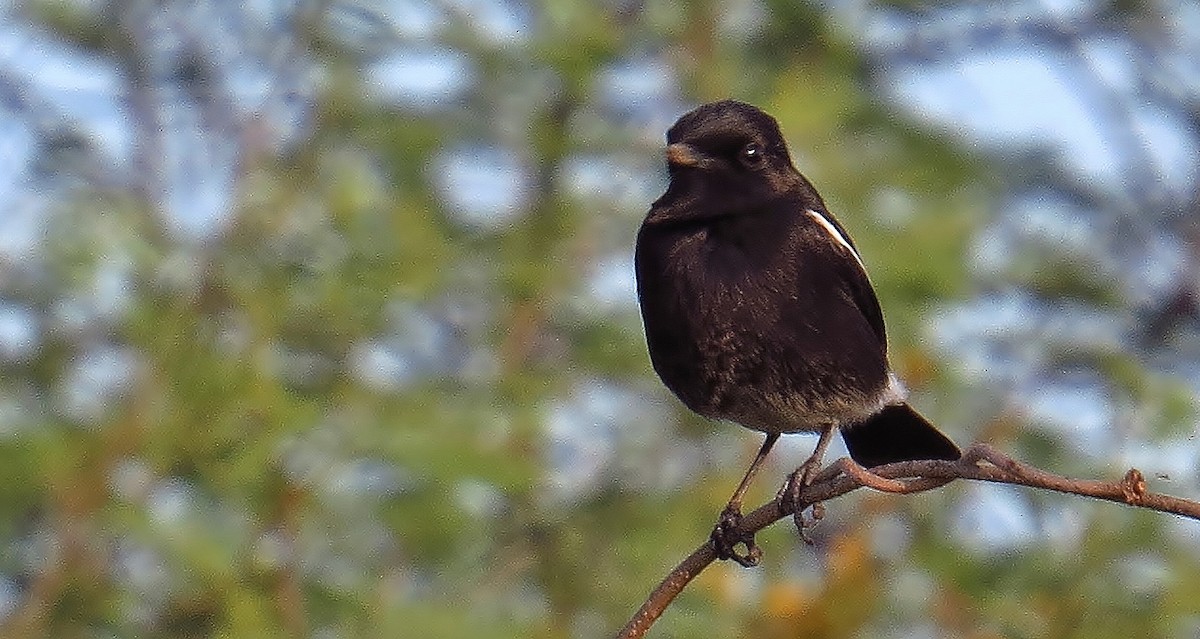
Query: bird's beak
point(680, 154)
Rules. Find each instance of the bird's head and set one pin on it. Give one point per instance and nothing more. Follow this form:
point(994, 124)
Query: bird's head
point(729, 155)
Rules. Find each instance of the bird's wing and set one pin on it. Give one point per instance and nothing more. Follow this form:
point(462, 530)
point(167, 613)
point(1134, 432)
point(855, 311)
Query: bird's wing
point(853, 273)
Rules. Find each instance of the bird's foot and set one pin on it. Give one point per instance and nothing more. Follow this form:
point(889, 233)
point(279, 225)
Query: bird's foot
point(726, 536)
point(801, 477)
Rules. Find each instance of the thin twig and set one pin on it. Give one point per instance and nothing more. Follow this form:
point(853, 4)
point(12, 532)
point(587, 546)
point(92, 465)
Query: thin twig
point(981, 463)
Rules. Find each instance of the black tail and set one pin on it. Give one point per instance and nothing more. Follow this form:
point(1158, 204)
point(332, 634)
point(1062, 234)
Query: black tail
point(897, 433)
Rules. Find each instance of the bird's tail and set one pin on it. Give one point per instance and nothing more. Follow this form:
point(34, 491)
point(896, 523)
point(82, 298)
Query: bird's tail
point(897, 433)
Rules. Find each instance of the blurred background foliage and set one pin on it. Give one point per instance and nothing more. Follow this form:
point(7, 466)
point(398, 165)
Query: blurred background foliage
point(317, 317)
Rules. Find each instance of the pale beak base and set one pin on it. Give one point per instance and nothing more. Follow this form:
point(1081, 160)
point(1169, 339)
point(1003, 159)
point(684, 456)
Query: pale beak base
point(681, 154)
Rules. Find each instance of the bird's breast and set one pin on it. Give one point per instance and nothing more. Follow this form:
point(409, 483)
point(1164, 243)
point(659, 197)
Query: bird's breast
point(740, 329)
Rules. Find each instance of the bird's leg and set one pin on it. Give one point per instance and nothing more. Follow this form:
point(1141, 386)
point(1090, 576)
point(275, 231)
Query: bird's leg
point(725, 536)
point(802, 477)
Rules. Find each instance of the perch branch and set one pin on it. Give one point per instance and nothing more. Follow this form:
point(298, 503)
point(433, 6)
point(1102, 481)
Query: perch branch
point(981, 463)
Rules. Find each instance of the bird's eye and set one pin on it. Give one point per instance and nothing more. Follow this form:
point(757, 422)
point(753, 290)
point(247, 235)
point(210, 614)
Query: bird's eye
point(752, 155)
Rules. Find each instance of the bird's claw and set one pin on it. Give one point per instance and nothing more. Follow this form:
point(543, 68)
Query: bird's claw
point(726, 536)
point(803, 524)
point(803, 476)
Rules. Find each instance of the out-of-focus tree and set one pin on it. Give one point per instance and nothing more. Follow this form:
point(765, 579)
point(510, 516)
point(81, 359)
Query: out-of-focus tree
point(316, 318)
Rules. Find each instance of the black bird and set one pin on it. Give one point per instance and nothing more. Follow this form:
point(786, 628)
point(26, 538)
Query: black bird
point(757, 305)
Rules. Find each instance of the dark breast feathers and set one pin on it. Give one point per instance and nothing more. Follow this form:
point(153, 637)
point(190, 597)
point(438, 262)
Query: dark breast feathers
point(735, 329)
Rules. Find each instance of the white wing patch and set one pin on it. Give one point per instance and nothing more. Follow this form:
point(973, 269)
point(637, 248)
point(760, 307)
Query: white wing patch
point(837, 235)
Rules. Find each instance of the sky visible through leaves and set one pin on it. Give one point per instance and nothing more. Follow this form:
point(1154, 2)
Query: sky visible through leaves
point(318, 318)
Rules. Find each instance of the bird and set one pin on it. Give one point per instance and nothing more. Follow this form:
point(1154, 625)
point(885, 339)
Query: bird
point(758, 310)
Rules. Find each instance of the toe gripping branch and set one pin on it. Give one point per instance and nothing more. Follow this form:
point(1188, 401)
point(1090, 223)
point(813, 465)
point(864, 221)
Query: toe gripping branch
point(728, 534)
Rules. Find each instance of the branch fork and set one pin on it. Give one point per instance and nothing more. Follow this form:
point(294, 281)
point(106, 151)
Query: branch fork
point(980, 462)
